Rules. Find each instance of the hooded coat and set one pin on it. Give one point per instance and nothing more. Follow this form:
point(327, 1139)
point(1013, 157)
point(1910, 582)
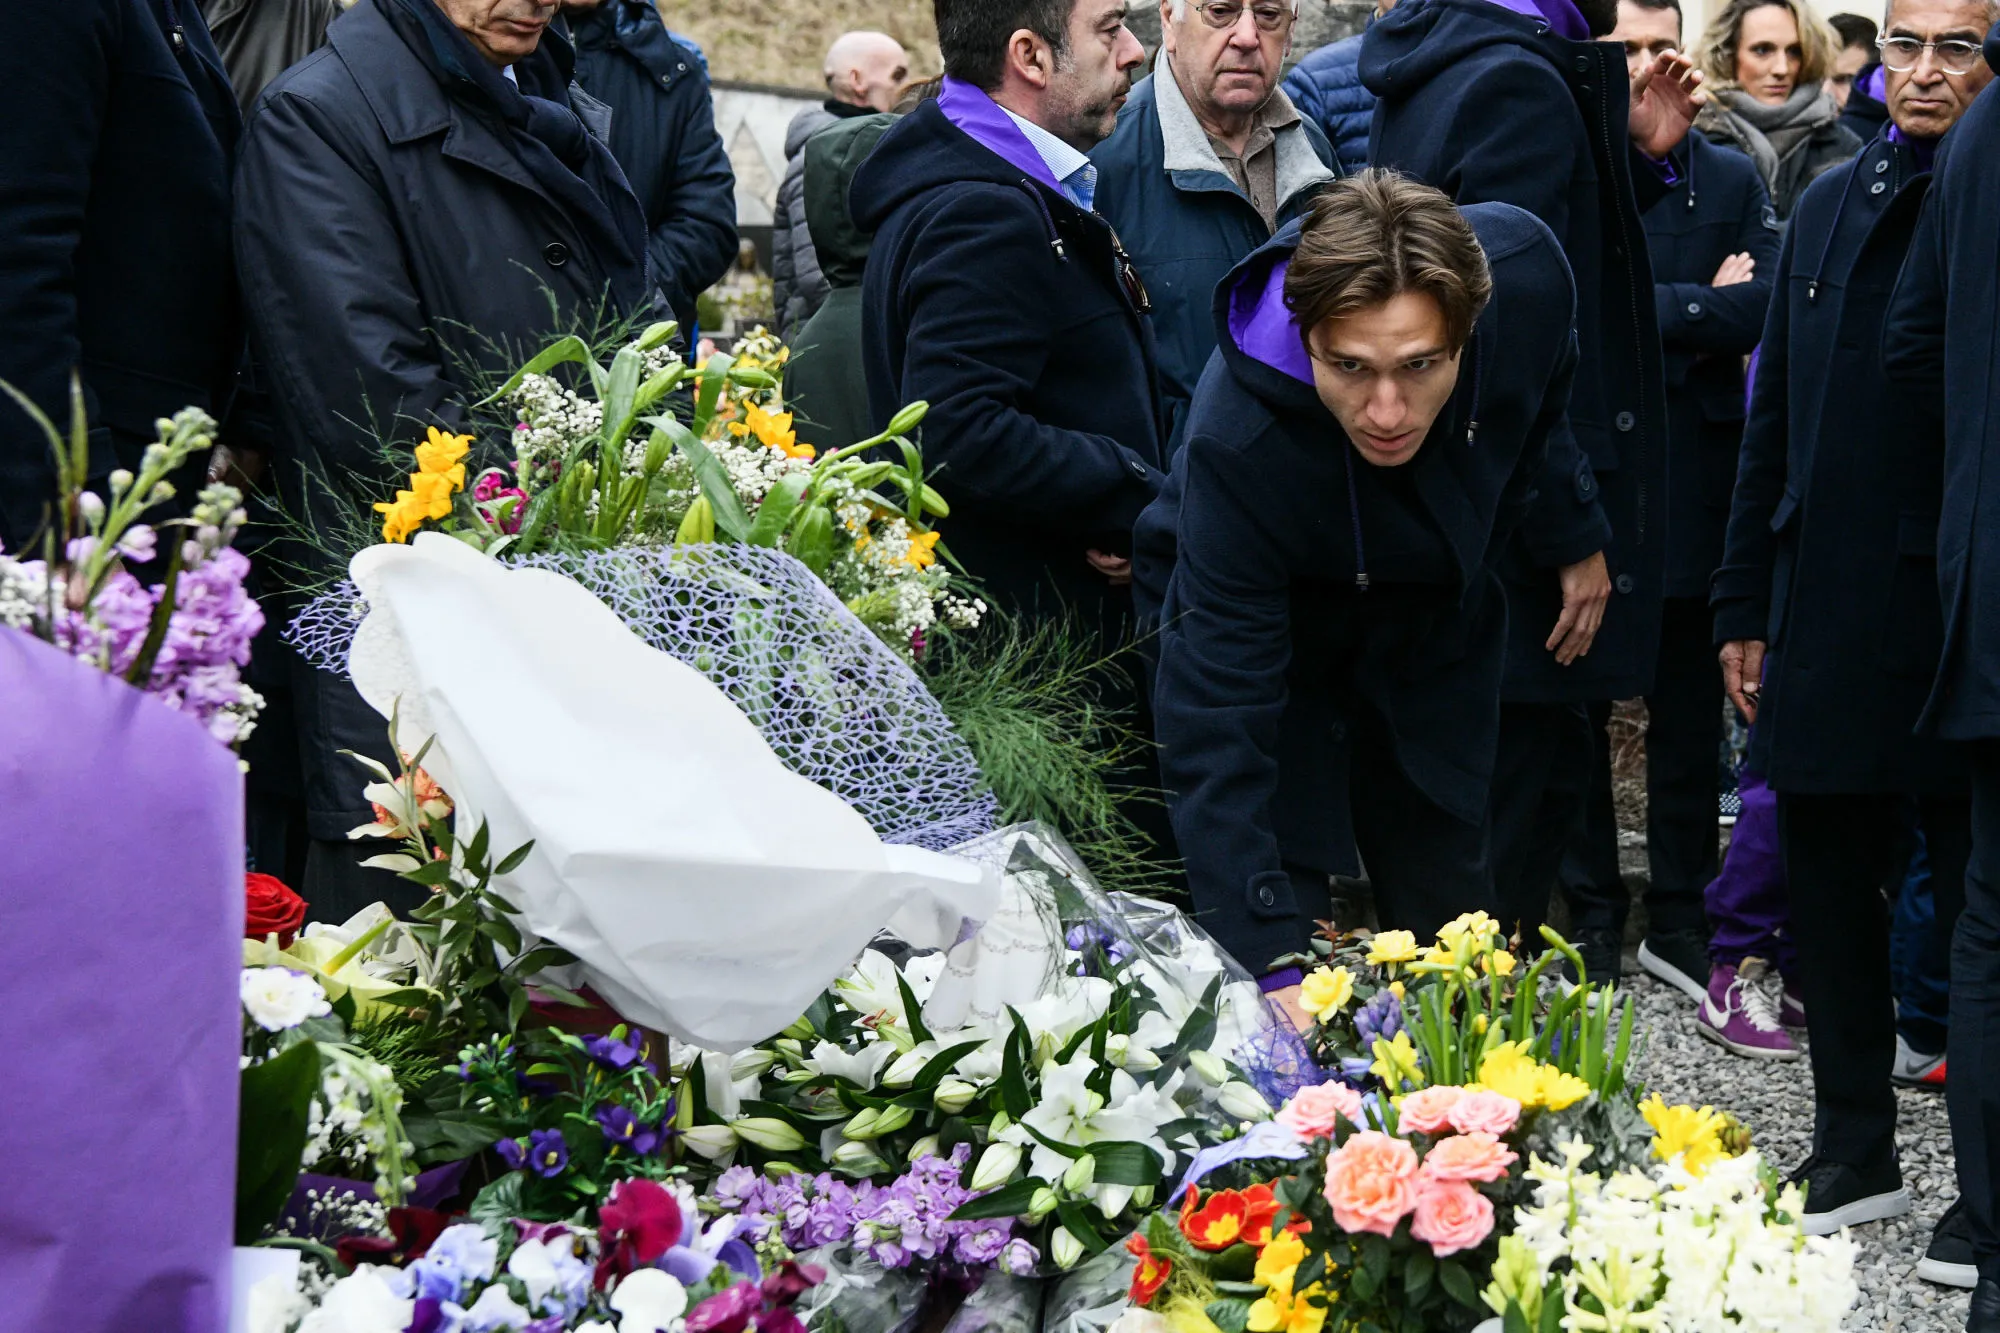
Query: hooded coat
point(797, 285)
point(1718, 208)
point(1185, 221)
point(663, 135)
point(1488, 104)
point(115, 159)
point(826, 388)
point(1941, 344)
point(1832, 553)
point(1301, 583)
point(1015, 314)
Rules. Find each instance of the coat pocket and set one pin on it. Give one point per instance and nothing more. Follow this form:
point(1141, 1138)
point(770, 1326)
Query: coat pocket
point(1913, 626)
point(1784, 522)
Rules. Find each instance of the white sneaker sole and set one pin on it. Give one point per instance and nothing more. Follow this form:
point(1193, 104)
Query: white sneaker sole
point(1673, 976)
point(1963, 1276)
point(1874, 1208)
point(1747, 1052)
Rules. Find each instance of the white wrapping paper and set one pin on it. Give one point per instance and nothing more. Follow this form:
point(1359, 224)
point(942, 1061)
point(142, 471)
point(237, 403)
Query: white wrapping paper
point(707, 890)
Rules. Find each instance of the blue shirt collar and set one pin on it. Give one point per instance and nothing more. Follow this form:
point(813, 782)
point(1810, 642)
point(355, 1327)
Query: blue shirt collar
point(1019, 142)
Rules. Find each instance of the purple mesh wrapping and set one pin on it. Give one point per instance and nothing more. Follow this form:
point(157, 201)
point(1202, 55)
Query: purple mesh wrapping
point(1275, 1061)
point(837, 705)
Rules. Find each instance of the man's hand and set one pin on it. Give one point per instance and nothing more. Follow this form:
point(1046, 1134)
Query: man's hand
point(1735, 269)
point(1117, 568)
point(1665, 97)
point(1586, 587)
point(1743, 673)
point(1287, 999)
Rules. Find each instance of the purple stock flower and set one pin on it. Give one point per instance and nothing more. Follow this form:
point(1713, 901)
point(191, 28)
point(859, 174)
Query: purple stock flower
point(1019, 1258)
point(738, 1187)
point(512, 1153)
point(612, 1053)
point(547, 1153)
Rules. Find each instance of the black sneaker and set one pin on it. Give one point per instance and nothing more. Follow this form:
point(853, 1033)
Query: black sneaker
point(1948, 1258)
point(1984, 1315)
point(1602, 952)
point(1839, 1195)
point(1679, 958)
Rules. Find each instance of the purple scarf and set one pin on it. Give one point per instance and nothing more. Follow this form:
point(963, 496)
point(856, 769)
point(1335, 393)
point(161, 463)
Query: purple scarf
point(1562, 16)
point(988, 126)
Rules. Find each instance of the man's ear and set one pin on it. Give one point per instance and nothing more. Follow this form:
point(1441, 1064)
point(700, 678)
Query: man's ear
point(1030, 59)
point(1169, 30)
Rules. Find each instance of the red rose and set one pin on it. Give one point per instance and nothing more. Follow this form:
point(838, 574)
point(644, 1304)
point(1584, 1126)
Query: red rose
point(271, 907)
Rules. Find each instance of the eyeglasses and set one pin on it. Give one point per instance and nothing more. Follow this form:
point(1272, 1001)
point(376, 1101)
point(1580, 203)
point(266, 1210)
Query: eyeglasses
point(1226, 14)
point(1902, 54)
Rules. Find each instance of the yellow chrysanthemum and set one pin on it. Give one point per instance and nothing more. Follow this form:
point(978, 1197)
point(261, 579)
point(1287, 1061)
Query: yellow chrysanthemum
point(1392, 946)
point(1326, 992)
point(1696, 1136)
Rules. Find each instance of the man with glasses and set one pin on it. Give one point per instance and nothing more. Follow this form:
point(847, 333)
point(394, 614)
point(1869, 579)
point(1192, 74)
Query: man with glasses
point(1826, 611)
point(1208, 160)
point(1940, 345)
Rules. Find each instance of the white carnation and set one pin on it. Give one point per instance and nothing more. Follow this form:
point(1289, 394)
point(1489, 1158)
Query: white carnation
point(277, 998)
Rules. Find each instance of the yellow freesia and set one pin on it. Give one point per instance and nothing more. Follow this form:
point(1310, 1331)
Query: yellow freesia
point(923, 550)
point(1396, 1062)
point(1696, 1136)
point(1500, 963)
point(1391, 947)
point(1478, 927)
point(1326, 992)
point(773, 430)
point(443, 455)
point(1280, 1309)
point(1509, 1070)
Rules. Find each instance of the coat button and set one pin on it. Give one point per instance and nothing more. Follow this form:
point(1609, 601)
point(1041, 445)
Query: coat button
point(1626, 421)
point(1583, 64)
point(1878, 187)
point(1881, 166)
point(1623, 583)
point(1265, 896)
point(1694, 307)
point(556, 253)
point(1138, 469)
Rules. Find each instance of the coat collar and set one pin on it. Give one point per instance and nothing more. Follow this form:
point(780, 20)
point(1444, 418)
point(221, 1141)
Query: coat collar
point(1190, 159)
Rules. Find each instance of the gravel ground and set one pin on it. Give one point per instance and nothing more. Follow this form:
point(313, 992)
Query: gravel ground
point(1775, 1099)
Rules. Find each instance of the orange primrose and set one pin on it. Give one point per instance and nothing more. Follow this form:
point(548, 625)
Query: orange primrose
point(1152, 1272)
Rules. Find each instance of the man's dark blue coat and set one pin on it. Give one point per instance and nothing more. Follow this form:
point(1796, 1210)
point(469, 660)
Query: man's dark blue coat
point(115, 160)
point(1258, 542)
point(1941, 344)
point(1187, 228)
point(1488, 104)
point(1832, 546)
point(663, 135)
point(1717, 208)
point(1326, 88)
point(1010, 310)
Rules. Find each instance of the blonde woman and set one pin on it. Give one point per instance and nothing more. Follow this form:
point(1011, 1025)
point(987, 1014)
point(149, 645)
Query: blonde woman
point(1767, 62)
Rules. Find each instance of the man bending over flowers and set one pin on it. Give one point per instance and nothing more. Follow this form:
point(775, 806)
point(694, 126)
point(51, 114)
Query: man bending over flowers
point(1392, 375)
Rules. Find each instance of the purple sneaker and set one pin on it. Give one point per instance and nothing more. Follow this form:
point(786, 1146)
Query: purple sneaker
point(1740, 1015)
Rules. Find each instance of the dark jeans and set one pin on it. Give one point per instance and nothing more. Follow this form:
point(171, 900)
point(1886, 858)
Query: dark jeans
point(1683, 740)
point(1748, 909)
point(1973, 1044)
point(1839, 850)
point(1920, 957)
point(1541, 776)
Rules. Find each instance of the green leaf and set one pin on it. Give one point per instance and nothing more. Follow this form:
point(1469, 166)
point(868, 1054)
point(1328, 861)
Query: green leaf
point(570, 349)
point(730, 518)
point(1231, 1316)
point(1082, 1226)
point(1007, 1201)
point(1457, 1285)
point(410, 997)
point(1068, 1150)
point(432, 874)
point(775, 513)
point(274, 1108)
point(533, 961)
point(620, 401)
point(1123, 1163)
point(496, 1206)
point(713, 376)
point(1418, 1270)
point(512, 861)
point(941, 1064)
point(1015, 1099)
point(502, 932)
point(517, 1009)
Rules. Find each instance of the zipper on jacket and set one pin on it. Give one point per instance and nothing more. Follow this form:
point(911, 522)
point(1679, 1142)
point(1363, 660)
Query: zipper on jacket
point(178, 32)
point(1048, 220)
point(1354, 514)
point(1638, 329)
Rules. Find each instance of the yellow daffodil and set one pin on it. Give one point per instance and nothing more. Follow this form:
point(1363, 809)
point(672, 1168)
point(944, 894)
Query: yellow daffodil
point(1392, 947)
point(1396, 1062)
point(1560, 1091)
point(1481, 929)
point(1326, 992)
point(923, 550)
point(443, 455)
point(1696, 1136)
point(1509, 1070)
point(1500, 963)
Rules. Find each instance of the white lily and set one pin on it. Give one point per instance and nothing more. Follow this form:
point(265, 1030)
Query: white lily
point(860, 1067)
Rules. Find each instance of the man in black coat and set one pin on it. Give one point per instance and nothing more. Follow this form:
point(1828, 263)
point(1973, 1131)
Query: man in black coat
point(1827, 614)
point(1713, 240)
point(117, 136)
point(1356, 451)
point(995, 293)
point(663, 135)
point(412, 196)
point(1511, 100)
point(1940, 343)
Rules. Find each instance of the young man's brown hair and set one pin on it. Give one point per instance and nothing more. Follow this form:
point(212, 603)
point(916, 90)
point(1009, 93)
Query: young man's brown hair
point(1377, 235)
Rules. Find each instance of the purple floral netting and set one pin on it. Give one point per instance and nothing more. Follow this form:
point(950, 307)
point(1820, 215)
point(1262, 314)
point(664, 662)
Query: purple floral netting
point(835, 703)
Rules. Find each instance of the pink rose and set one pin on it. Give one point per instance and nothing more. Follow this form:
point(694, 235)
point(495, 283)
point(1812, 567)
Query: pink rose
point(1451, 1216)
point(1372, 1183)
point(1474, 1156)
point(1428, 1110)
point(1484, 1112)
point(1311, 1111)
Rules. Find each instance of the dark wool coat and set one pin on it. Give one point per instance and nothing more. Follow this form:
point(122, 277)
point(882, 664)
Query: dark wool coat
point(1488, 104)
point(663, 135)
point(1010, 310)
point(1326, 88)
point(1832, 542)
point(1941, 344)
point(115, 160)
point(1186, 228)
point(1718, 208)
point(1261, 539)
